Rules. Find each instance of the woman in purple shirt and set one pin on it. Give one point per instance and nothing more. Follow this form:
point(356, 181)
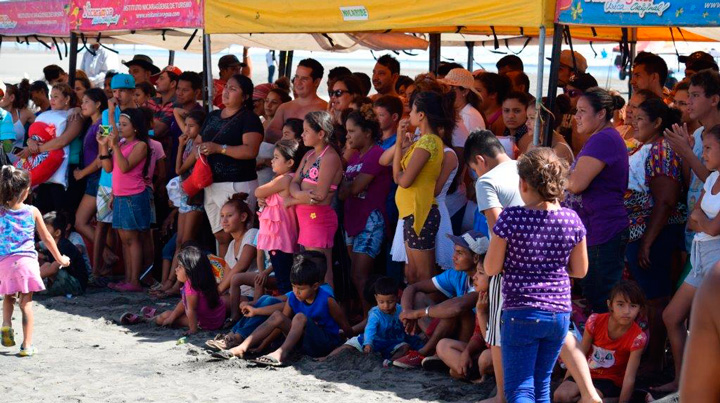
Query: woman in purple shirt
point(538, 247)
point(93, 103)
point(597, 184)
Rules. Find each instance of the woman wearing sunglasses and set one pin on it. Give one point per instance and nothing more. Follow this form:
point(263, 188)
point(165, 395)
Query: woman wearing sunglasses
point(342, 94)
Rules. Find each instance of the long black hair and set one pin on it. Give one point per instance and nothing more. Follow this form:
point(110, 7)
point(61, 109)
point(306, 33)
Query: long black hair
point(247, 88)
point(199, 272)
point(440, 111)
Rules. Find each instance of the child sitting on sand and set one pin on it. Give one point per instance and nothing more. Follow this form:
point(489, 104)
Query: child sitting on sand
point(471, 360)
point(613, 343)
point(384, 332)
point(201, 305)
point(71, 280)
point(310, 318)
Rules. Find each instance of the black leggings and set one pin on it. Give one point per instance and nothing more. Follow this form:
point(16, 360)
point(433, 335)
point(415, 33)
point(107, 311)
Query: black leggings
point(282, 263)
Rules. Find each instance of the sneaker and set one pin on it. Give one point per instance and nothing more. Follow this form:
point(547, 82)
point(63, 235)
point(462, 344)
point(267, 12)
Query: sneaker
point(27, 352)
point(434, 363)
point(8, 336)
point(413, 359)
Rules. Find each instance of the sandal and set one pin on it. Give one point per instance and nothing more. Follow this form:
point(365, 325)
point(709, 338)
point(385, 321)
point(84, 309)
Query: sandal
point(223, 354)
point(217, 343)
point(8, 336)
point(268, 361)
point(148, 312)
point(129, 318)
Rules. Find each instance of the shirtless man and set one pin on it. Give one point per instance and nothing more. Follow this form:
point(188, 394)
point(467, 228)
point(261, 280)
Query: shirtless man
point(308, 75)
point(385, 76)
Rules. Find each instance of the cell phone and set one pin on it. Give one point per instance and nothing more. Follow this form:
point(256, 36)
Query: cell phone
point(105, 130)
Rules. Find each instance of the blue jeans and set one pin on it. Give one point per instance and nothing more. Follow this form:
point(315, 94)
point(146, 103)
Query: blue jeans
point(531, 342)
point(245, 326)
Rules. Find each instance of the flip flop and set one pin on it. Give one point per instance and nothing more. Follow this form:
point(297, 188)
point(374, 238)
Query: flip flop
point(223, 354)
point(129, 318)
point(148, 312)
point(216, 344)
point(267, 361)
point(8, 336)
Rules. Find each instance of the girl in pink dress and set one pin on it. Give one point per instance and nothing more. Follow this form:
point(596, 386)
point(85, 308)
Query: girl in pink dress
point(19, 269)
point(278, 232)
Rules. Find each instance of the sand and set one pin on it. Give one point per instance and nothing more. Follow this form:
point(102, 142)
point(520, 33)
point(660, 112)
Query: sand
point(85, 356)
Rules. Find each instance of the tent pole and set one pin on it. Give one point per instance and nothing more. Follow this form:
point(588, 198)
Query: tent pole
point(171, 58)
point(73, 58)
point(434, 53)
point(633, 51)
point(207, 64)
point(538, 101)
point(552, 82)
point(281, 62)
point(470, 57)
point(288, 63)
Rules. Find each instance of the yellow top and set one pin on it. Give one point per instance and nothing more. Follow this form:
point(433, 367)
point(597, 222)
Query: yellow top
point(420, 196)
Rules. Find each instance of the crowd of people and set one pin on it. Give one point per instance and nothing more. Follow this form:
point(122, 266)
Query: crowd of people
point(419, 223)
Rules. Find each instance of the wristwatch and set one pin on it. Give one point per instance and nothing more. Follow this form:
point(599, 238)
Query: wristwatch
point(427, 311)
point(105, 157)
point(224, 149)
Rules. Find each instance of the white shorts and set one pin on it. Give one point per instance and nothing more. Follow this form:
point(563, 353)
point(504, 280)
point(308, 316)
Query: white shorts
point(495, 300)
point(217, 194)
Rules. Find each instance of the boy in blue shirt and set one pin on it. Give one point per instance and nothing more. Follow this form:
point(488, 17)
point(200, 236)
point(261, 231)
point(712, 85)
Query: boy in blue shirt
point(454, 316)
point(384, 332)
point(311, 318)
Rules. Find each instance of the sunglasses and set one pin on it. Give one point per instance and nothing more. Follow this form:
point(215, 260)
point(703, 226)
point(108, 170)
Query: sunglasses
point(573, 93)
point(337, 93)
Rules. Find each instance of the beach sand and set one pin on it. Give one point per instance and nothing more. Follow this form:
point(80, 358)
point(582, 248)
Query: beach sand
point(85, 356)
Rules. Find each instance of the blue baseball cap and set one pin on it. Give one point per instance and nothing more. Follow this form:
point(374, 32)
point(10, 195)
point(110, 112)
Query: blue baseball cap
point(122, 82)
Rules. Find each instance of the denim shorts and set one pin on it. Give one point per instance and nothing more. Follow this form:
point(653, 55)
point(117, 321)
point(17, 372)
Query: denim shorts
point(91, 186)
point(132, 213)
point(369, 240)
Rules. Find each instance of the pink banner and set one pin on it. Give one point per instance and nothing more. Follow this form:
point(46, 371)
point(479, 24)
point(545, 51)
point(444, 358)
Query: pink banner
point(35, 17)
point(123, 15)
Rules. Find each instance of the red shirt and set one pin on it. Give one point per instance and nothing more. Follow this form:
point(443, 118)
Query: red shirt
point(218, 88)
point(609, 358)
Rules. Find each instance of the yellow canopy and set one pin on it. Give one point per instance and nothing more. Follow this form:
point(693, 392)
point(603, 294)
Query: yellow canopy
point(326, 16)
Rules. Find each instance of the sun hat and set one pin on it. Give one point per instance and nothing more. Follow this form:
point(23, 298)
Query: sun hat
point(143, 61)
point(460, 78)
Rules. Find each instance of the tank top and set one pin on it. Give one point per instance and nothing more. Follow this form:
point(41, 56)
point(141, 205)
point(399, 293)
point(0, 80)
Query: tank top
point(17, 232)
point(128, 183)
point(318, 311)
point(278, 226)
point(19, 130)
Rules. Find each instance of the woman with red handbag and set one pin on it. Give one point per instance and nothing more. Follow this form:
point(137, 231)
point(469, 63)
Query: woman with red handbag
point(231, 141)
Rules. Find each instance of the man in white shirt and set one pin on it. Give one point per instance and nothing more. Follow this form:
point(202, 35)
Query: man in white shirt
point(95, 64)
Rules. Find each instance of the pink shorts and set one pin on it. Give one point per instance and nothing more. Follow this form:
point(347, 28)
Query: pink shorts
point(318, 225)
point(20, 274)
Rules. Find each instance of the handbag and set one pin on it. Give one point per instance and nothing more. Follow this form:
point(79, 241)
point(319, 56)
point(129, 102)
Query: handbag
point(201, 176)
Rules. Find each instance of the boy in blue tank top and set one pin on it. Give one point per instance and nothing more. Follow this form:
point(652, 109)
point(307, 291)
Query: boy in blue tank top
point(311, 318)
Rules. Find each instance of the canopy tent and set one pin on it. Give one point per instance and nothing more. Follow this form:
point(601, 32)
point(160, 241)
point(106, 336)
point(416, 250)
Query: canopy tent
point(191, 41)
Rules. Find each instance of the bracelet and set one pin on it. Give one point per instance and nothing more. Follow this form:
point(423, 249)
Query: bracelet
point(105, 157)
point(427, 312)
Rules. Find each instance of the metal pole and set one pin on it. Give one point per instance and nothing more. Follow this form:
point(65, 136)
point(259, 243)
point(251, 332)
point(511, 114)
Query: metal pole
point(633, 50)
point(171, 58)
point(538, 100)
point(207, 63)
point(434, 53)
point(73, 58)
point(281, 63)
point(470, 57)
point(552, 82)
point(288, 63)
